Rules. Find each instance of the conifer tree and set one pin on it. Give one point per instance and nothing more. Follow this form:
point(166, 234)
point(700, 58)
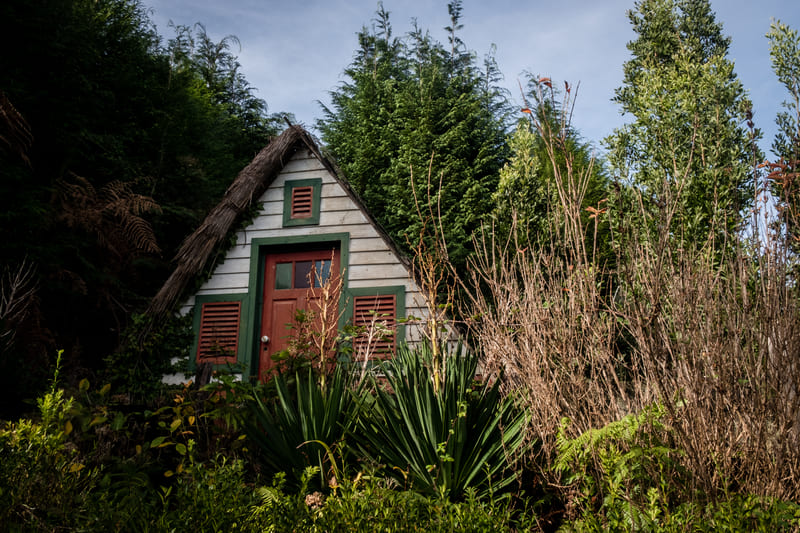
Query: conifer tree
point(414, 106)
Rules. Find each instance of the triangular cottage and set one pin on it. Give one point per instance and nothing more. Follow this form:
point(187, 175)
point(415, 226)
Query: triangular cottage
point(309, 224)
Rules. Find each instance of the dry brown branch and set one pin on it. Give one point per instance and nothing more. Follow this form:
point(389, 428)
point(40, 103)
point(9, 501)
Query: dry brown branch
point(15, 132)
point(17, 289)
point(713, 339)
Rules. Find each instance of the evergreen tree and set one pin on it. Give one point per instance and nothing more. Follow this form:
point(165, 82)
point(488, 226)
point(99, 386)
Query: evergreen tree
point(686, 151)
point(415, 106)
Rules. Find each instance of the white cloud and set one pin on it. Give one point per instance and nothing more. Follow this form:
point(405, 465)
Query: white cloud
point(295, 52)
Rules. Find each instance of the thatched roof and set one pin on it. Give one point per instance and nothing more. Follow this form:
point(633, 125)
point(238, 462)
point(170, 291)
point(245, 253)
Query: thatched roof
point(247, 188)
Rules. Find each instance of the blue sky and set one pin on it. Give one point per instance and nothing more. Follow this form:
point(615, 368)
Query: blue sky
point(294, 52)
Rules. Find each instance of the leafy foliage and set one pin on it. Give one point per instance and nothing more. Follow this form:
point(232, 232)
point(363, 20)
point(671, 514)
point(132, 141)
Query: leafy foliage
point(784, 51)
point(784, 47)
point(686, 151)
point(412, 108)
point(367, 503)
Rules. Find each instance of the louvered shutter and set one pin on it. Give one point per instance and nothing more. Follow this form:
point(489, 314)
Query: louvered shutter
point(218, 340)
point(302, 202)
point(369, 310)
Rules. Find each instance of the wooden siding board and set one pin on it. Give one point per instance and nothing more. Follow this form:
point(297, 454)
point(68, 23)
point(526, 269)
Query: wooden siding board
point(339, 203)
point(361, 283)
point(342, 218)
point(233, 265)
point(230, 282)
point(396, 270)
point(373, 257)
point(369, 244)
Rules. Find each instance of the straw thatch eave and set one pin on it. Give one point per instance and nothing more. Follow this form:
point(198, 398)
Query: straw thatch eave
point(248, 186)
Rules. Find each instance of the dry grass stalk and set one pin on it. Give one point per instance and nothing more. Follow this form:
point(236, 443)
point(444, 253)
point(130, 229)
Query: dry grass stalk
point(433, 271)
point(711, 336)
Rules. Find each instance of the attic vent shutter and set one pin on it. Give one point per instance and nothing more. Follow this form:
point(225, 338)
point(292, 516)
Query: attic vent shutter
point(378, 316)
point(218, 340)
point(302, 202)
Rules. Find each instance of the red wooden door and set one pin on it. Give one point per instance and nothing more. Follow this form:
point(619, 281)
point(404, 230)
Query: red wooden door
point(292, 281)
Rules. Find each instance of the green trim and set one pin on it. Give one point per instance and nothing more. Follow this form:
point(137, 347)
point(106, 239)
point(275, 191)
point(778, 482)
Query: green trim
point(399, 291)
point(253, 303)
point(201, 299)
point(313, 220)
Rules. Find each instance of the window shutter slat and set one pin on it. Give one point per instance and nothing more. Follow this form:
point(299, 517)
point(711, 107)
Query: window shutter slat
point(218, 340)
point(302, 202)
point(369, 310)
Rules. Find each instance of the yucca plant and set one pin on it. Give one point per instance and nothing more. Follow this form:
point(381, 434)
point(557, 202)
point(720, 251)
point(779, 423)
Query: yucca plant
point(292, 430)
point(440, 441)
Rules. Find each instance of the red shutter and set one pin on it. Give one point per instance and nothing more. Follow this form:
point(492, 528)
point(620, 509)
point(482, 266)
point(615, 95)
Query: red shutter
point(369, 310)
point(218, 340)
point(302, 202)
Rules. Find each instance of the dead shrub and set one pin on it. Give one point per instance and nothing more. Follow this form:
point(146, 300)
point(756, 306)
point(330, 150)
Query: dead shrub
point(710, 333)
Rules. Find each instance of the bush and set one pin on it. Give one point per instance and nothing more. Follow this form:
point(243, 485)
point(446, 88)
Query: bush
point(291, 430)
point(440, 441)
point(42, 479)
point(370, 504)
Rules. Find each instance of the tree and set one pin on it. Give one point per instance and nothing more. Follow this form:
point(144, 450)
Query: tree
point(112, 146)
point(687, 152)
point(413, 109)
point(544, 148)
point(784, 49)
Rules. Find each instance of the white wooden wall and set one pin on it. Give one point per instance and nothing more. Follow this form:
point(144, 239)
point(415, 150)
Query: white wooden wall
point(371, 262)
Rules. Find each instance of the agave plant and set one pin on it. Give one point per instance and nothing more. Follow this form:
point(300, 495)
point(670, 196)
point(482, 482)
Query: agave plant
point(440, 440)
point(297, 428)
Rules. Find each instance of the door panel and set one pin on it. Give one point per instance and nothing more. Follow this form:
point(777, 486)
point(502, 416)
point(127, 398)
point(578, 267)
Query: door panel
point(292, 281)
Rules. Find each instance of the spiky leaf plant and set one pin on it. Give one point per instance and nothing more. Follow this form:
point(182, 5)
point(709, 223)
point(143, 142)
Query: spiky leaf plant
point(441, 442)
point(287, 429)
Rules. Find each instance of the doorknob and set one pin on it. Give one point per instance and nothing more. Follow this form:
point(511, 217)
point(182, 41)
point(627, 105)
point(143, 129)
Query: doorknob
point(264, 340)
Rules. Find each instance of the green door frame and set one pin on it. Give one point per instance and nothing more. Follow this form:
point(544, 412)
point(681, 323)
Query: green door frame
point(253, 302)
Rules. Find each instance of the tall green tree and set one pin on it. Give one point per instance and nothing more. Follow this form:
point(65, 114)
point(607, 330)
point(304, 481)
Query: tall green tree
point(112, 146)
point(687, 150)
point(415, 107)
point(784, 50)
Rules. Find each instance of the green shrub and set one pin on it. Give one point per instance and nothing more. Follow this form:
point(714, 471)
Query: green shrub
point(210, 496)
point(287, 430)
point(369, 504)
point(42, 479)
point(440, 441)
point(619, 477)
point(740, 512)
